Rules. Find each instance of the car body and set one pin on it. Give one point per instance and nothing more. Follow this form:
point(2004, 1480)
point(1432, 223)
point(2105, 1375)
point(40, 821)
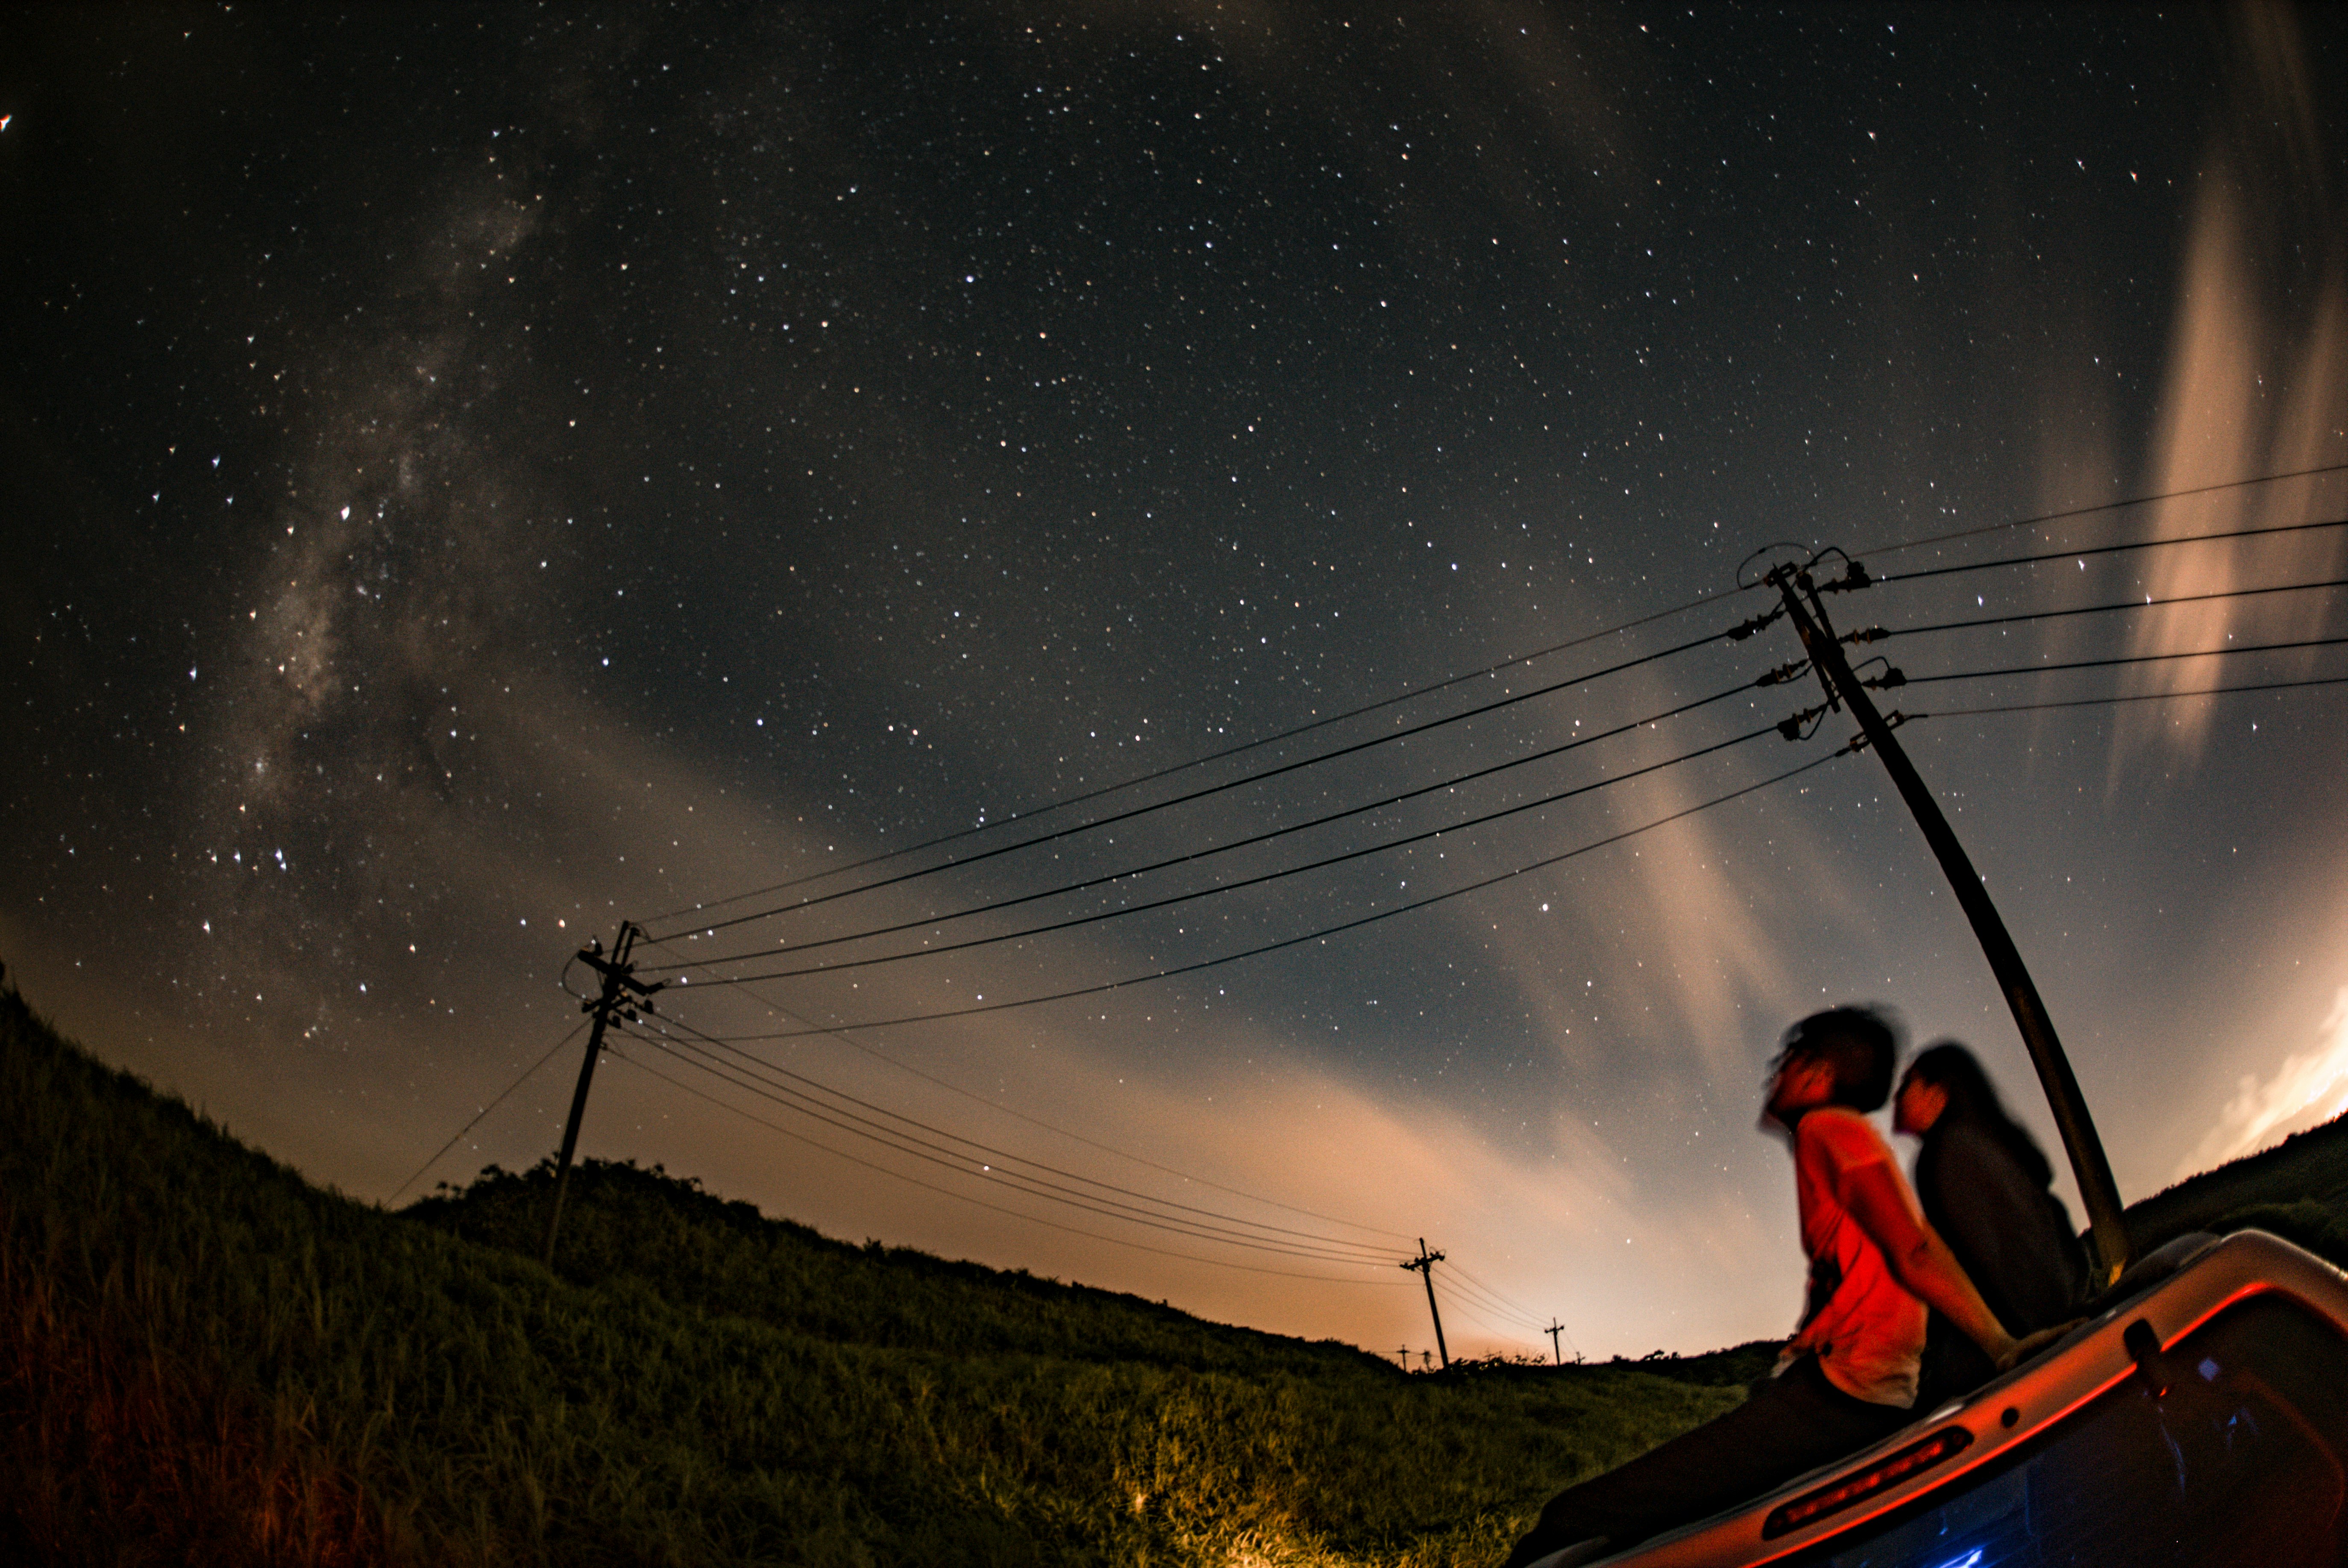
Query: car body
point(2200, 1418)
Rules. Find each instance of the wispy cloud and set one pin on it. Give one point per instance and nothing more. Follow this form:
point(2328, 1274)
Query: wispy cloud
point(2309, 1087)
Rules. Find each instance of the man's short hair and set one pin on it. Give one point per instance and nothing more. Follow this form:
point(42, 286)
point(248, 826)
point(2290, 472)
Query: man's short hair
point(1861, 1042)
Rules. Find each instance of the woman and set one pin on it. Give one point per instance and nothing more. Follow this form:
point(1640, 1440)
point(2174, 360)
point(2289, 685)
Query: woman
point(1983, 1184)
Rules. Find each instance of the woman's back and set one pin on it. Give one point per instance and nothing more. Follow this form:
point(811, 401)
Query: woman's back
point(2010, 1233)
point(1983, 1184)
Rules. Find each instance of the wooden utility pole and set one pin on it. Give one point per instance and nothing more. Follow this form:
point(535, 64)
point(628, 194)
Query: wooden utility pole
point(619, 981)
point(1425, 1264)
point(1553, 1330)
point(2097, 1192)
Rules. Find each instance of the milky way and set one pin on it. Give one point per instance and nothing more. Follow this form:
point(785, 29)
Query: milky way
point(476, 477)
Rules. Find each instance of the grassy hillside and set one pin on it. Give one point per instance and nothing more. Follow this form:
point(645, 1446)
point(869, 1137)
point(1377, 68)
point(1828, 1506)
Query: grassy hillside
point(699, 1250)
point(209, 1360)
point(2297, 1190)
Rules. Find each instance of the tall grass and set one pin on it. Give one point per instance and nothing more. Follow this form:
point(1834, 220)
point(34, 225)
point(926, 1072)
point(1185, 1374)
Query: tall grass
point(211, 1360)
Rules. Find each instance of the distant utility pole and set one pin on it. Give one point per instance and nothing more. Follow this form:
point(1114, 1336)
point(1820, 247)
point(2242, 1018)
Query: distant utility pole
point(1425, 1264)
point(1553, 1330)
point(619, 981)
point(1402, 1354)
point(2097, 1192)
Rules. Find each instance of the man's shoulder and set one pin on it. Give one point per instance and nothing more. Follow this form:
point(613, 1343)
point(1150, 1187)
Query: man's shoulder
point(1843, 1135)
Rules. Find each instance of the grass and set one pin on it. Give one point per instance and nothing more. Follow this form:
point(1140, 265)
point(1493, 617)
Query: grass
point(210, 1360)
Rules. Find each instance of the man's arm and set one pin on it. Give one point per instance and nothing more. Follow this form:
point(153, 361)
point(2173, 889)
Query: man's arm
point(1920, 1260)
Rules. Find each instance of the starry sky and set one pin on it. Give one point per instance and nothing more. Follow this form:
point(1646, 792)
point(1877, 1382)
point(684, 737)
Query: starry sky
point(475, 476)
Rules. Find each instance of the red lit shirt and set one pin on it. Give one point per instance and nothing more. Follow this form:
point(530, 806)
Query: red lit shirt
point(1867, 1330)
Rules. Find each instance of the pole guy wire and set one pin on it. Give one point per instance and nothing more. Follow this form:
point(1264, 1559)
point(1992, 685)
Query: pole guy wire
point(477, 1116)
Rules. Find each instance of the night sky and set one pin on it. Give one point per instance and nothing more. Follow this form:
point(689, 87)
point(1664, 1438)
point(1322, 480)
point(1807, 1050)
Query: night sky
point(474, 476)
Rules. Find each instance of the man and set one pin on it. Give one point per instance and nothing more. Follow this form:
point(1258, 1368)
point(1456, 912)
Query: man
point(1849, 1376)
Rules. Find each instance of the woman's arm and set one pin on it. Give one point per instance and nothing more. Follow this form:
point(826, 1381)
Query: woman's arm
point(1920, 1260)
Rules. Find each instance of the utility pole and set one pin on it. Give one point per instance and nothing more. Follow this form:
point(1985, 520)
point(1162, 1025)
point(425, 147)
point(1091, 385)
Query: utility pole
point(2097, 1192)
point(1425, 1264)
point(1401, 1353)
point(619, 980)
point(1553, 1330)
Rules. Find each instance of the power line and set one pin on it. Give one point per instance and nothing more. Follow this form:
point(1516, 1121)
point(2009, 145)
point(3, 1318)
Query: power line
point(883, 1056)
point(1290, 734)
point(2132, 696)
point(1489, 1300)
point(1026, 1186)
point(1450, 681)
point(485, 1110)
point(1323, 933)
point(1191, 855)
point(2100, 609)
point(1322, 864)
point(2103, 506)
point(1517, 1308)
point(981, 1202)
point(2113, 548)
point(712, 926)
point(2128, 659)
point(995, 1154)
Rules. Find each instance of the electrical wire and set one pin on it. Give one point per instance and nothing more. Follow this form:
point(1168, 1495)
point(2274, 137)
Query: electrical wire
point(1191, 855)
point(1322, 864)
point(883, 1056)
point(2115, 605)
point(1467, 1309)
point(1320, 934)
point(2113, 548)
point(1449, 682)
point(1518, 1308)
point(707, 927)
point(687, 1053)
point(2129, 659)
point(2076, 511)
point(1428, 690)
point(981, 1202)
point(485, 1110)
point(2132, 696)
point(1485, 1298)
point(760, 1067)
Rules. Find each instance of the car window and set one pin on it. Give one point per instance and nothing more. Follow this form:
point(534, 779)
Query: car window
point(2243, 1464)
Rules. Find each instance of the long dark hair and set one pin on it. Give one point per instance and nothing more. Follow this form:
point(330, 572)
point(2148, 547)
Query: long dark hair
point(1951, 1067)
